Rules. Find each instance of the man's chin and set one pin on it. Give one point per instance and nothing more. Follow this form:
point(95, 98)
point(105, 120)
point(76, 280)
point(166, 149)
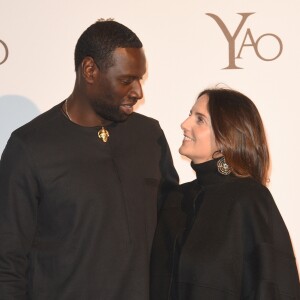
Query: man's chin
point(123, 118)
point(120, 118)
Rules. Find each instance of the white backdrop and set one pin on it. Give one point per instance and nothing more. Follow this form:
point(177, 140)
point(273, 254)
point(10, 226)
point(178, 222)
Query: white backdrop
point(187, 51)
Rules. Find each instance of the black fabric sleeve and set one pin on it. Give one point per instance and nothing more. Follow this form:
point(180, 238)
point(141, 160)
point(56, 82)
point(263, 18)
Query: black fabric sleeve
point(270, 270)
point(18, 206)
point(170, 177)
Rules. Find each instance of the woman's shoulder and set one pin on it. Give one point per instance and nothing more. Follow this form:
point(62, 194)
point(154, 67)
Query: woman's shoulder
point(250, 198)
point(246, 188)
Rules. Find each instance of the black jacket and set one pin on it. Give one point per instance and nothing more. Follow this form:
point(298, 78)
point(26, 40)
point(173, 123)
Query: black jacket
point(222, 237)
point(77, 216)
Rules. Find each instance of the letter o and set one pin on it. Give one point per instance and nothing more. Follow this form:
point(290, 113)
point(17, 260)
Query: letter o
point(6, 52)
point(279, 42)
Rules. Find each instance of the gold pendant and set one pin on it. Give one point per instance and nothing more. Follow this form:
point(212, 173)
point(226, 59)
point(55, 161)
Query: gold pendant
point(103, 134)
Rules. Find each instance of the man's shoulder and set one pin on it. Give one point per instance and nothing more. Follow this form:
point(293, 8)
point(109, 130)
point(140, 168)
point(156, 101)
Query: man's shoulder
point(137, 117)
point(141, 123)
point(41, 124)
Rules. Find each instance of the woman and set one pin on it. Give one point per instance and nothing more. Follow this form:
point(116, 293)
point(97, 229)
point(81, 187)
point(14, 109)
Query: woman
point(221, 236)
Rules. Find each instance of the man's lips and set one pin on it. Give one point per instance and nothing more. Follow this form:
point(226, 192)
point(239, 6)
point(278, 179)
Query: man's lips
point(127, 104)
point(127, 108)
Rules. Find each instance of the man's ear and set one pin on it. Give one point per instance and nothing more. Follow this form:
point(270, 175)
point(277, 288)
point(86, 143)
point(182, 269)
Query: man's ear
point(89, 69)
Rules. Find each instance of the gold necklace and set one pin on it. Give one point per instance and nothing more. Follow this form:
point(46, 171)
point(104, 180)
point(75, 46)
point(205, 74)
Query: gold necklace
point(103, 134)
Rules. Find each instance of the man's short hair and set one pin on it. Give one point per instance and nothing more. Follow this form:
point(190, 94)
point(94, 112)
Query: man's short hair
point(101, 39)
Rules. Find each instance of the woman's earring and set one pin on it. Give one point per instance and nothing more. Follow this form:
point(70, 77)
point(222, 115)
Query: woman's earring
point(223, 167)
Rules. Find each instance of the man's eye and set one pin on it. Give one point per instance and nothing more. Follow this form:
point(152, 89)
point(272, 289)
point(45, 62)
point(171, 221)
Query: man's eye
point(126, 81)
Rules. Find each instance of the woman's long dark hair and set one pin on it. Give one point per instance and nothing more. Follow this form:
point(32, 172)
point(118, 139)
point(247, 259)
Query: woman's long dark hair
point(239, 132)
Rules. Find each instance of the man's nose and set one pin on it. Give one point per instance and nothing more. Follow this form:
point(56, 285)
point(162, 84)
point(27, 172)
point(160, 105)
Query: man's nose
point(137, 90)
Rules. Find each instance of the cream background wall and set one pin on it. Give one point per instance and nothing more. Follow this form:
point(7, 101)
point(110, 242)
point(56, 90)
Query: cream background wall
point(187, 51)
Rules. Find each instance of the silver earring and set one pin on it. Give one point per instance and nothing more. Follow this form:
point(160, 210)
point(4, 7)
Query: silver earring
point(223, 167)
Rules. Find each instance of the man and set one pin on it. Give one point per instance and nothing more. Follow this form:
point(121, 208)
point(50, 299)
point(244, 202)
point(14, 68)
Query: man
point(79, 185)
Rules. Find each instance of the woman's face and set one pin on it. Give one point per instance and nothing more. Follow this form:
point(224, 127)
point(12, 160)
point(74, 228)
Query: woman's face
point(199, 140)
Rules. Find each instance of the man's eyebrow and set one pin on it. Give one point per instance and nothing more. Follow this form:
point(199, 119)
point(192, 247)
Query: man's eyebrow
point(131, 76)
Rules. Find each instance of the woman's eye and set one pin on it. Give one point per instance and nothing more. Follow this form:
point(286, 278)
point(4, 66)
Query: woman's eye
point(200, 120)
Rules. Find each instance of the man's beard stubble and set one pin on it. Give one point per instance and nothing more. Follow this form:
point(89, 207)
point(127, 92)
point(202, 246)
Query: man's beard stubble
point(109, 112)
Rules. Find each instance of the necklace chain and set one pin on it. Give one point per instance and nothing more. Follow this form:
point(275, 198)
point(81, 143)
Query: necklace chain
point(103, 134)
point(66, 107)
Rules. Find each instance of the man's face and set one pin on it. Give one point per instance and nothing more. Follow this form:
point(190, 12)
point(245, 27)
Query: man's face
point(117, 90)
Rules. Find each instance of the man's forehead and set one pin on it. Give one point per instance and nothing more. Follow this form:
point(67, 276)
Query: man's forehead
point(129, 58)
point(129, 52)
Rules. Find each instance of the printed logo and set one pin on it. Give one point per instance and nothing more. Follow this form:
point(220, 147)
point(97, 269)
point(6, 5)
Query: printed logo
point(231, 39)
point(3, 52)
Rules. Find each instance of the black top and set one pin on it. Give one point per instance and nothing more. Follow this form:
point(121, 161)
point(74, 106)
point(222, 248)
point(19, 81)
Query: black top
point(77, 215)
point(222, 237)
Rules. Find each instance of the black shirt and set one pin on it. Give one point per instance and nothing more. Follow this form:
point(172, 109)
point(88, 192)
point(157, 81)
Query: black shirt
point(235, 246)
point(77, 215)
